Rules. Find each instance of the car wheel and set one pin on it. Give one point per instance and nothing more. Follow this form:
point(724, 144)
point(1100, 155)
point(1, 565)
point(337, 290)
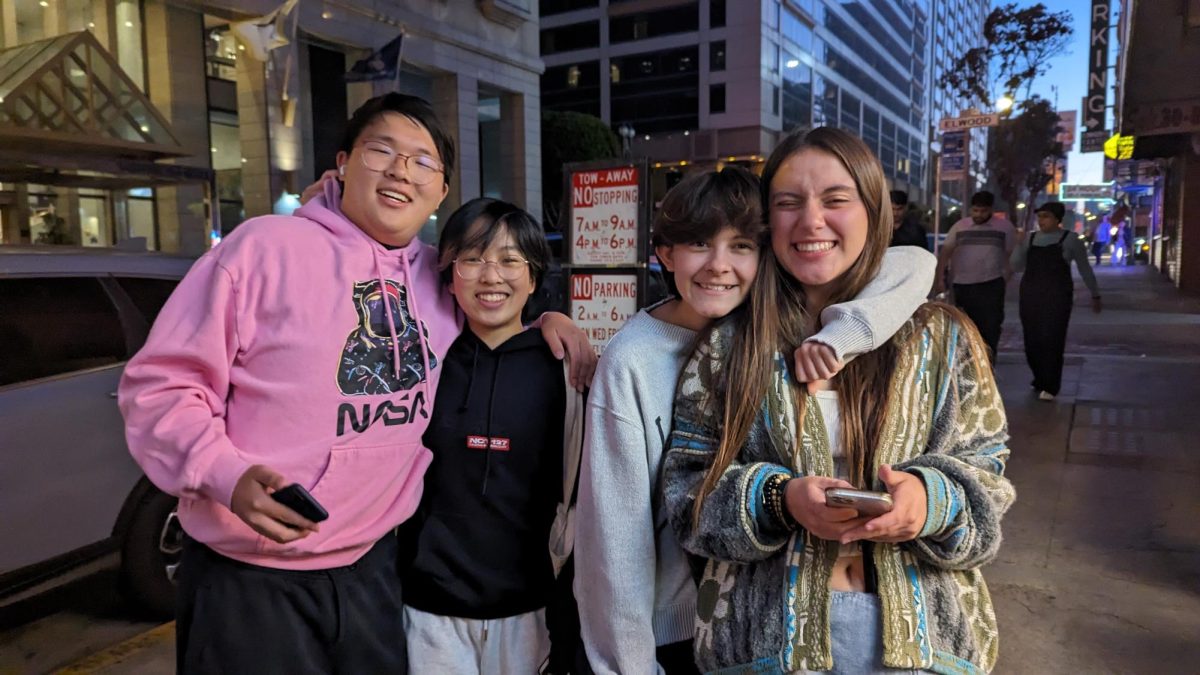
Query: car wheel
point(150, 553)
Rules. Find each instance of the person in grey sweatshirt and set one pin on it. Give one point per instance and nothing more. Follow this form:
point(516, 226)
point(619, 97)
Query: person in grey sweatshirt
point(633, 583)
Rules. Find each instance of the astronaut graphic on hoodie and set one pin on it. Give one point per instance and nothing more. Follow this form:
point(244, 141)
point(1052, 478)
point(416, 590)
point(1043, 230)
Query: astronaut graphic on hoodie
point(366, 367)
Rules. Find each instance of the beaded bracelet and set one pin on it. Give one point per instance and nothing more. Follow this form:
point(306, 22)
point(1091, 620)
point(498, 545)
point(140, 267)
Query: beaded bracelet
point(773, 497)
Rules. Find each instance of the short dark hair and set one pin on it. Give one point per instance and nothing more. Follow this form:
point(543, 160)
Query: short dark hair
point(474, 225)
point(1055, 209)
point(703, 204)
point(414, 108)
point(983, 198)
point(899, 198)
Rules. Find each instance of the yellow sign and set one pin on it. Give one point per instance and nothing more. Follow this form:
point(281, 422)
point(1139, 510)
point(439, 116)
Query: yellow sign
point(1119, 147)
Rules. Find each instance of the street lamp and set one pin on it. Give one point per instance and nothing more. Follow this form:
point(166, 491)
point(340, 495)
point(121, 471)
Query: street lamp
point(1020, 205)
point(626, 133)
point(1004, 103)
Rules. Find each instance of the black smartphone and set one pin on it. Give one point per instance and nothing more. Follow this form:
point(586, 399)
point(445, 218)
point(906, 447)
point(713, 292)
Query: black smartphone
point(296, 498)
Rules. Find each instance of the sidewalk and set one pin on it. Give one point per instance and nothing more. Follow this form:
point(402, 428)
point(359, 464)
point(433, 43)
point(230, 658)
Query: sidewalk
point(1100, 569)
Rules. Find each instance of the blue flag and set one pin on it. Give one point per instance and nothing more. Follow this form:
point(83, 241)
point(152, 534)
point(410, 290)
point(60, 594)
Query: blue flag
point(382, 64)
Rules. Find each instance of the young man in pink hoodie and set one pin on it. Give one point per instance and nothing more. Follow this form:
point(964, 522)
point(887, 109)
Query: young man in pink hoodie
point(305, 349)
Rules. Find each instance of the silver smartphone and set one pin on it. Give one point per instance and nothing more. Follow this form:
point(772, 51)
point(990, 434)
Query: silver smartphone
point(866, 502)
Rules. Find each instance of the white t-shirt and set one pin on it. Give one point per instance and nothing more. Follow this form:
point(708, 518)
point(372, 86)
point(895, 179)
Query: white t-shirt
point(831, 414)
point(980, 251)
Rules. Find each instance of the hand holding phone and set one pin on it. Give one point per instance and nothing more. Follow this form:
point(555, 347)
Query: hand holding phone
point(296, 498)
point(866, 502)
point(905, 517)
point(253, 501)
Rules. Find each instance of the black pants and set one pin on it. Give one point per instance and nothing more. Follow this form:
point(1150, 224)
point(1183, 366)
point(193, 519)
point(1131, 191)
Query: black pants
point(238, 618)
point(984, 303)
point(1045, 317)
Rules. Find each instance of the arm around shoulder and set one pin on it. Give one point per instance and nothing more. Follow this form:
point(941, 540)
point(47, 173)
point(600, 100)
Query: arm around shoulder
point(871, 319)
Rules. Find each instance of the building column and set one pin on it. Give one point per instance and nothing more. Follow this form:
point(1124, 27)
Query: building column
point(520, 150)
point(456, 102)
point(1188, 275)
point(177, 87)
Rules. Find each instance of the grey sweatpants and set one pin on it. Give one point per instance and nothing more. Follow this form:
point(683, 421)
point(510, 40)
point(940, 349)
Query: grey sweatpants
point(446, 645)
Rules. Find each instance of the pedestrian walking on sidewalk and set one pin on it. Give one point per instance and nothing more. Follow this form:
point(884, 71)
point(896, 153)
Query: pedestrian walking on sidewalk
point(1047, 294)
point(977, 251)
point(907, 227)
point(1101, 236)
point(792, 583)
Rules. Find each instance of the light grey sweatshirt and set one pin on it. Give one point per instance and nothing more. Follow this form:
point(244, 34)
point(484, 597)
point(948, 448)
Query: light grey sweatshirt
point(632, 580)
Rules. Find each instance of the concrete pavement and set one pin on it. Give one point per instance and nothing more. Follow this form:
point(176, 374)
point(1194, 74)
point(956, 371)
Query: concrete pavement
point(1100, 569)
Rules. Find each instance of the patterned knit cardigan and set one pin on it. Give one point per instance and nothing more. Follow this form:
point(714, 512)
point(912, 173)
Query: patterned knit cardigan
point(764, 597)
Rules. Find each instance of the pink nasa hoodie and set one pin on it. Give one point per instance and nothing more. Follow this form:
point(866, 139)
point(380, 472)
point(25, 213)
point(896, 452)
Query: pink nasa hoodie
point(302, 344)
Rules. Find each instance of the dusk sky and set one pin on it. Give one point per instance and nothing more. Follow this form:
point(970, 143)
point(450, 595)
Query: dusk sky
point(1069, 74)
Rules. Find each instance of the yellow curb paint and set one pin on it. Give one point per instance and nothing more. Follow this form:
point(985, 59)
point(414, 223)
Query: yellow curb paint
point(120, 651)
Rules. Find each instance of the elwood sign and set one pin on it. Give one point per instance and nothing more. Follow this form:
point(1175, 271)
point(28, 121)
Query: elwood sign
point(969, 122)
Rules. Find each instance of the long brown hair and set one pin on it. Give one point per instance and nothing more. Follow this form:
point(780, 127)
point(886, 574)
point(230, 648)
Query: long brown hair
point(778, 319)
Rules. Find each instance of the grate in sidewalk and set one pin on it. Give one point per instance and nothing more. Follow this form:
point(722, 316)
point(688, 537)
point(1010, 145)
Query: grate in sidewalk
point(1134, 436)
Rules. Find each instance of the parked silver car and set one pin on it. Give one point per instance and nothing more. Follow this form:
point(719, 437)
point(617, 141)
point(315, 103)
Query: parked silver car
point(69, 491)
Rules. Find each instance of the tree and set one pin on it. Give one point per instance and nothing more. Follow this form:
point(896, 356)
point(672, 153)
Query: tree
point(1018, 45)
point(570, 137)
point(1019, 148)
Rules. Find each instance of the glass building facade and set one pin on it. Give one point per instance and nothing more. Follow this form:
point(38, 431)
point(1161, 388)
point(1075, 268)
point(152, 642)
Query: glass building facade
point(704, 82)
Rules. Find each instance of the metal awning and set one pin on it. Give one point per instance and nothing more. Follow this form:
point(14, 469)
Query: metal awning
point(69, 116)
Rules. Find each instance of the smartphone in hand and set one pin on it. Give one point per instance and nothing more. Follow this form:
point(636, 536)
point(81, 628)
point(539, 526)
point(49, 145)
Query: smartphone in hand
point(866, 502)
point(296, 498)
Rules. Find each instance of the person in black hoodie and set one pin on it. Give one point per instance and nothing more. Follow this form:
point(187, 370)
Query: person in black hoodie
point(481, 576)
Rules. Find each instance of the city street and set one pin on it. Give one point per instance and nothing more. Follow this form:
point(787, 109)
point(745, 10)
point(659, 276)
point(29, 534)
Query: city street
point(1100, 569)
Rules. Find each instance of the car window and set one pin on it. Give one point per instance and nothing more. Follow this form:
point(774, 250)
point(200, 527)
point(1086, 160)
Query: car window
point(56, 325)
point(149, 295)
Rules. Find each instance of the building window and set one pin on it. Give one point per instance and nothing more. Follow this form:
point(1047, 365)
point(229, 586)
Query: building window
point(551, 7)
point(795, 29)
point(573, 36)
point(825, 103)
point(643, 25)
point(716, 13)
point(770, 13)
point(770, 57)
point(574, 87)
point(226, 150)
point(221, 54)
point(658, 91)
point(849, 118)
point(775, 100)
point(797, 94)
point(716, 98)
point(716, 56)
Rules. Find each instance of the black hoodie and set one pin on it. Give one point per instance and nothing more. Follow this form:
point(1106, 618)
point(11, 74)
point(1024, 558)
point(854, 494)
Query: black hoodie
point(481, 536)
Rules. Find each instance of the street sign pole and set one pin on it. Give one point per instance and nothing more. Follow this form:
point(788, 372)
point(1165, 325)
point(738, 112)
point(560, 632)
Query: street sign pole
point(937, 201)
